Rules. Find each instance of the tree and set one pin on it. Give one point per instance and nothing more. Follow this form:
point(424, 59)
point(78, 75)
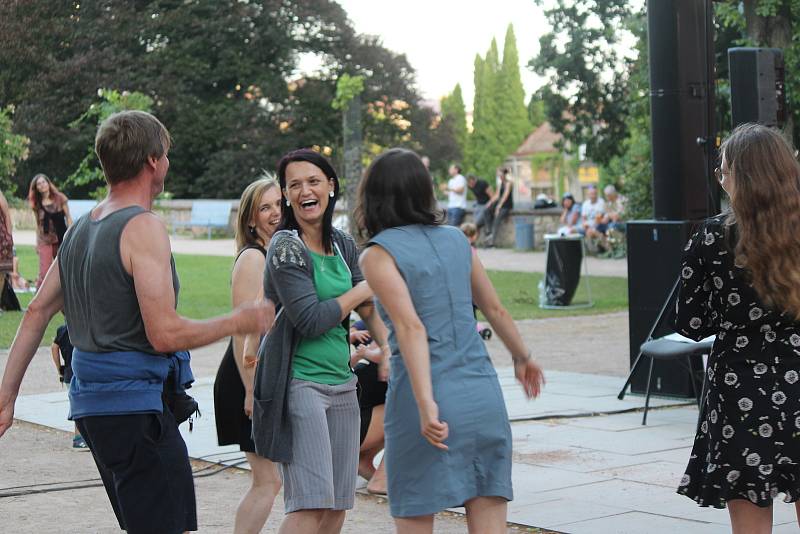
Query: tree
point(632, 169)
point(13, 149)
point(536, 112)
point(581, 57)
point(773, 24)
point(454, 117)
point(89, 175)
point(511, 97)
point(348, 101)
point(485, 150)
point(221, 75)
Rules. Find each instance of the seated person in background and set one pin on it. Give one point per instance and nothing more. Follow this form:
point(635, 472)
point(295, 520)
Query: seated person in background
point(483, 192)
point(499, 206)
point(471, 231)
point(615, 204)
point(365, 362)
point(18, 282)
point(592, 211)
point(570, 215)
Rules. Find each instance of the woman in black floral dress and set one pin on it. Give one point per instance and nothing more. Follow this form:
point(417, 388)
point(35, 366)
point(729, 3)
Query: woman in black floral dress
point(741, 282)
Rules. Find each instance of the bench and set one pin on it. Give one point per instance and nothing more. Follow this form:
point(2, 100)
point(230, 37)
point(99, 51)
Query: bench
point(78, 208)
point(207, 213)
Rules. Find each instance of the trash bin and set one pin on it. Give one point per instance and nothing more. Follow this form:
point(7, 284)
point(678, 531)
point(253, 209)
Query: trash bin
point(563, 270)
point(523, 233)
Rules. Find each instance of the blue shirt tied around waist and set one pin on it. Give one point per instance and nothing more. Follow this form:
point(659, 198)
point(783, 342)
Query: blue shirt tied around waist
point(124, 382)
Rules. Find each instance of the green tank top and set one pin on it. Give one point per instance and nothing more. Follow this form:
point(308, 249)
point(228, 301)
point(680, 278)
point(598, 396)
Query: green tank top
point(326, 359)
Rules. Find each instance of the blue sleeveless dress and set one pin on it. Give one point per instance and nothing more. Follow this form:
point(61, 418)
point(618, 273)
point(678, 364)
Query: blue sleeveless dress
point(436, 263)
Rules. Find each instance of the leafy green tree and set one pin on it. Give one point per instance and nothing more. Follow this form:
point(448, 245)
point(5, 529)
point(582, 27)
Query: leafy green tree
point(89, 174)
point(499, 115)
point(767, 23)
point(511, 97)
point(221, 75)
point(454, 117)
point(485, 150)
point(536, 112)
point(632, 169)
point(13, 149)
point(582, 59)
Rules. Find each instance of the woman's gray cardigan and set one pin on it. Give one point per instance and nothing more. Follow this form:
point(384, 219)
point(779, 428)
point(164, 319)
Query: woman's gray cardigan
point(289, 283)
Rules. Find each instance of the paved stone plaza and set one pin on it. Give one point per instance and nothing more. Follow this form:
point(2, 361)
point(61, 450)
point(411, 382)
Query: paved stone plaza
point(583, 461)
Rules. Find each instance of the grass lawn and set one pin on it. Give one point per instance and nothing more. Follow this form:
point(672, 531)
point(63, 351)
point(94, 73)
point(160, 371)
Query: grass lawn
point(205, 292)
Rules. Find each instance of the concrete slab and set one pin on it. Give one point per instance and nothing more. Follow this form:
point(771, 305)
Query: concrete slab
point(637, 523)
point(606, 473)
point(552, 514)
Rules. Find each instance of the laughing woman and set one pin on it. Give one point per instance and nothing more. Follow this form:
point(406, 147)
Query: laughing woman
point(258, 218)
point(306, 413)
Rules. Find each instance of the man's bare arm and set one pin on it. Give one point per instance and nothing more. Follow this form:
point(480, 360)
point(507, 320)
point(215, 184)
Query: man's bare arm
point(47, 302)
point(145, 251)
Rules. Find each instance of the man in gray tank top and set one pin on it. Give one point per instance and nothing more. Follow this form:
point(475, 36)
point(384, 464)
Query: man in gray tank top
point(116, 281)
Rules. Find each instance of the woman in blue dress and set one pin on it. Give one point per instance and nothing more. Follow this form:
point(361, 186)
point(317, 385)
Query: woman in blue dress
point(448, 439)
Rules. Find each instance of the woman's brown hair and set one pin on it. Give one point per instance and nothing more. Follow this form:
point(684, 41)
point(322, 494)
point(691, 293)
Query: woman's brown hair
point(765, 209)
point(248, 206)
point(35, 197)
point(396, 191)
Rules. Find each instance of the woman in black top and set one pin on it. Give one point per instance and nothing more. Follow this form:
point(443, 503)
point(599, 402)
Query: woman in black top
point(740, 281)
point(258, 218)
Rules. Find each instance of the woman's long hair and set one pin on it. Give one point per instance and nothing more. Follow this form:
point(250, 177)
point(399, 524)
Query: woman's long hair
point(288, 220)
point(248, 205)
point(765, 209)
point(396, 191)
point(35, 197)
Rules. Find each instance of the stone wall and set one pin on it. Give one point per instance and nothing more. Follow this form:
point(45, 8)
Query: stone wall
point(545, 221)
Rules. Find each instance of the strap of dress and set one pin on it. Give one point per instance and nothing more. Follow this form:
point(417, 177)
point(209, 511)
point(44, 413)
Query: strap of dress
point(262, 250)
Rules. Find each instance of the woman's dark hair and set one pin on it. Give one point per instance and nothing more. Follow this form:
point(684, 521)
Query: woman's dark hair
point(396, 191)
point(567, 196)
point(288, 221)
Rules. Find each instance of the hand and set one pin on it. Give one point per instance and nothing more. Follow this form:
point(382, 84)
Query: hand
point(248, 404)
point(383, 365)
point(360, 336)
point(433, 430)
point(530, 375)
point(254, 317)
point(497, 211)
point(6, 413)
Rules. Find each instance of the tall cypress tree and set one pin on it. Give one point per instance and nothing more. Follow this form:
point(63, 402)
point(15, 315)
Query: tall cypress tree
point(512, 111)
point(455, 116)
point(485, 151)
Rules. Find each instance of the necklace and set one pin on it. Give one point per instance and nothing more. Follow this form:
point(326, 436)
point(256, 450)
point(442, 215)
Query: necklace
point(322, 263)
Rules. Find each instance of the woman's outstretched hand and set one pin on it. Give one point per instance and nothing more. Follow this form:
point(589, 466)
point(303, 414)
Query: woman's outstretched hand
point(530, 376)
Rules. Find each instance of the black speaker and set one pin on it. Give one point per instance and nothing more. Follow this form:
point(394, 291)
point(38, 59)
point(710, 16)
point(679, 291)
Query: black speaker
point(680, 42)
point(757, 86)
point(655, 249)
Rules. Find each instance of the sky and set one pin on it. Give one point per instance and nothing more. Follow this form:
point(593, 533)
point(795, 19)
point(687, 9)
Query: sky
point(441, 37)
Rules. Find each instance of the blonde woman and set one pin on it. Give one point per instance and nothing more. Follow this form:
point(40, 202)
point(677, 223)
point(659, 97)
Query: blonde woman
point(740, 281)
point(258, 218)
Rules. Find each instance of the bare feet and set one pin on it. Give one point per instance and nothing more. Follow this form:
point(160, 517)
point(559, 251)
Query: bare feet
point(365, 468)
point(377, 484)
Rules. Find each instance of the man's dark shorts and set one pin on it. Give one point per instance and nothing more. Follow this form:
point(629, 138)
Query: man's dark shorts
point(145, 468)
